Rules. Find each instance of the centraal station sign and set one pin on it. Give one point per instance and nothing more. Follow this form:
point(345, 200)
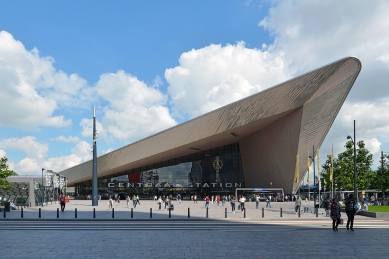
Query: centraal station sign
point(168, 185)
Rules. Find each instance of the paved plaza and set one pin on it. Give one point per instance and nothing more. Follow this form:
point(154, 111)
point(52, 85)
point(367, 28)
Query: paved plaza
point(142, 211)
point(179, 237)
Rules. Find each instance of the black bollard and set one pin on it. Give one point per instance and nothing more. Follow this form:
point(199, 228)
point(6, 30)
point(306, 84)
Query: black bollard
point(151, 212)
point(21, 213)
point(299, 213)
point(4, 214)
point(207, 213)
point(40, 214)
point(263, 212)
point(113, 212)
point(94, 213)
point(57, 213)
point(75, 213)
point(132, 212)
point(170, 213)
point(281, 212)
point(225, 212)
point(188, 213)
point(317, 212)
point(244, 213)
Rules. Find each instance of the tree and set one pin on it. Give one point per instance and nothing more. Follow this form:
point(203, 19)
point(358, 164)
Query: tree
point(343, 166)
point(381, 176)
point(4, 173)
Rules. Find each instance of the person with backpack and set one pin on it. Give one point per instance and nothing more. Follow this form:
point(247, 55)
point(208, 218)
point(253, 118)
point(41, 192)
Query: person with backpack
point(297, 204)
point(62, 200)
point(134, 201)
point(350, 211)
point(232, 202)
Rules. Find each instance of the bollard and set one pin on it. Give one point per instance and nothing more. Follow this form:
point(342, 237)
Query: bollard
point(151, 212)
point(225, 212)
point(113, 212)
point(57, 213)
point(263, 212)
point(40, 214)
point(132, 212)
point(30, 203)
point(317, 212)
point(188, 213)
point(170, 213)
point(206, 213)
point(75, 213)
point(299, 212)
point(4, 214)
point(244, 214)
point(281, 212)
point(21, 213)
point(94, 213)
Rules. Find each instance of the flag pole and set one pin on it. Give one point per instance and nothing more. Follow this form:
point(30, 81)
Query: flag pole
point(332, 169)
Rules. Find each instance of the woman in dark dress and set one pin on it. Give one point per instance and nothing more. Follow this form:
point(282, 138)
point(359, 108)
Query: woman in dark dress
point(335, 214)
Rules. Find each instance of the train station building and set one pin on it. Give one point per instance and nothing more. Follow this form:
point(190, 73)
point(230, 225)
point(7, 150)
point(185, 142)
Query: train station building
point(251, 143)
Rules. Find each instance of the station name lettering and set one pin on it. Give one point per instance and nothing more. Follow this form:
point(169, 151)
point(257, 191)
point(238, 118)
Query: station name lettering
point(166, 185)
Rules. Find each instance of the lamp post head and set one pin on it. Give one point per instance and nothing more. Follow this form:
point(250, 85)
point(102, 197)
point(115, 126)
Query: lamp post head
point(43, 169)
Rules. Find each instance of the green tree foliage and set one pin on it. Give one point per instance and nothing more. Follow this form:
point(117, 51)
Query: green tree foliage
point(4, 173)
point(343, 174)
point(381, 176)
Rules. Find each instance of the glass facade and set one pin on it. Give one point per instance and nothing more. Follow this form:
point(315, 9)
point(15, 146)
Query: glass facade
point(209, 172)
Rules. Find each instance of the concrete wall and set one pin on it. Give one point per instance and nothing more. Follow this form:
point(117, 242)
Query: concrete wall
point(269, 154)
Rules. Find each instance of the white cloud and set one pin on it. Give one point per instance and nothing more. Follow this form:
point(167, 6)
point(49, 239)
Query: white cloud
point(72, 139)
point(373, 145)
point(2, 153)
point(135, 110)
point(32, 90)
point(214, 76)
point(36, 155)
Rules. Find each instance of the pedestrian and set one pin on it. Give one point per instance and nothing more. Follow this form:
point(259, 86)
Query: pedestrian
point(350, 211)
point(206, 202)
point(257, 201)
point(218, 200)
point(137, 199)
point(242, 201)
point(118, 199)
point(63, 202)
point(194, 198)
point(335, 214)
point(232, 202)
point(268, 201)
point(134, 201)
point(128, 201)
point(159, 203)
point(110, 202)
point(179, 199)
point(297, 204)
point(167, 202)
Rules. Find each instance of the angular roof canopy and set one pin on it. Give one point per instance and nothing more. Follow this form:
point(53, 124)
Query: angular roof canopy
point(320, 94)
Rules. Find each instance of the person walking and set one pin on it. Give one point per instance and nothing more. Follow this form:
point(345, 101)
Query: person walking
point(134, 201)
point(110, 202)
point(297, 204)
point(268, 201)
point(242, 201)
point(159, 203)
point(194, 199)
point(256, 201)
point(206, 202)
point(63, 202)
point(350, 211)
point(128, 201)
point(232, 202)
point(335, 214)
point(137, 199)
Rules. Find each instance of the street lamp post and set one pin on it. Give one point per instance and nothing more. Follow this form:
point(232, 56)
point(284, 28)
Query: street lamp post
point(42, 187)
point(355, 164)
point(383, 155)
point(314, 177)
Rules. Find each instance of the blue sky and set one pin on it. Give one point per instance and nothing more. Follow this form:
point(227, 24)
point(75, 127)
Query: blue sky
point(150, 65)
